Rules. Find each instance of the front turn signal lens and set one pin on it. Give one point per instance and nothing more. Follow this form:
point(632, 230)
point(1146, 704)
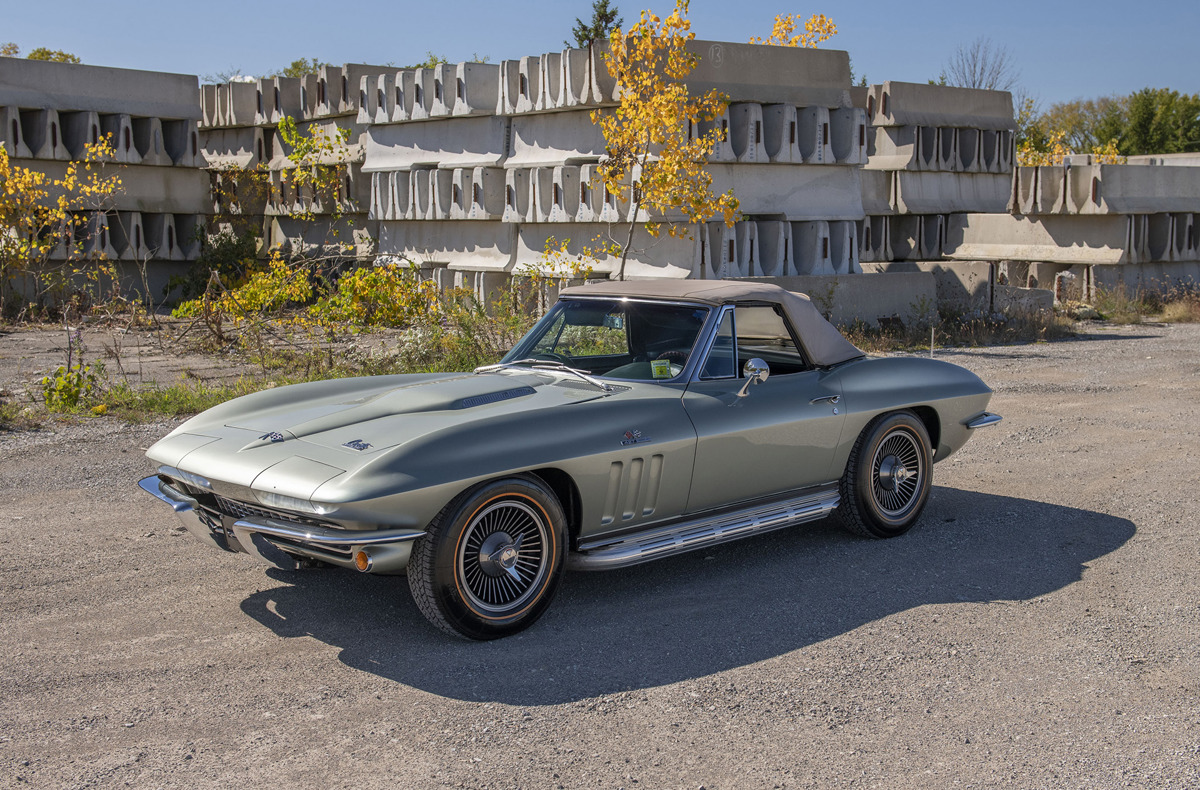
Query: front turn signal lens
point(362, 560)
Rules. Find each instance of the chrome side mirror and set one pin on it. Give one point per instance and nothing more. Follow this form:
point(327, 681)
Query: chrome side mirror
point(755, 371)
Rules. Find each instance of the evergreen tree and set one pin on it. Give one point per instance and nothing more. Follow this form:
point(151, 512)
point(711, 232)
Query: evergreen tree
point(604, 21)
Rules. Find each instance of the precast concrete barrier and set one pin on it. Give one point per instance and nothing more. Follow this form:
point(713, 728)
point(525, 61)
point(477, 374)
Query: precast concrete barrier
point(815, 145)
point(510, 87)
point(149, 142)
point(518, 196)
point(770, 75)
point(746, 132)
point(781, 134)
point(119, 128)
point(385, 97)
point(487, 193)
point(878, 191)
point(932, 193)
point(873, 244)
point(442, 184)
point(565, 196)
point(477, 89)
point(919, 237)
point(794, 193)
point(405, 95)
point(814, 249)
point(469, 246)
point(549, 139)
point(775, 248)
point(329, 91)
point(244, 147)
point(576, 78)
point(285, 99)
point(423, 90)
point(13, 137)
point(444, 77)
point(42, 134)
point(746, 233)
point(1132, 189)
point(1051, 190)
point(723, 147)
point(241, 103)
point(550, 81)
point(1052, 238)
point(81, 129)
point(601, 86)
point(368, 99)
point(400, 187)
point(422, 180)
point(449, 142)
point(66, 86)
point(848, 135)
point(529, 75)
point(843, 247)
point(915, 104)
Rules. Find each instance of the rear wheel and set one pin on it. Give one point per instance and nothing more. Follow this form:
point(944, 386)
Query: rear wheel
point(887, 479)
point(491, 561)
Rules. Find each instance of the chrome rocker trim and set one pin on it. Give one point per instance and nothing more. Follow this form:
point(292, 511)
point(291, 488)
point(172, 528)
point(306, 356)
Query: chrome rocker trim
point(274, 542)
point(984, 420)
point(702, 532)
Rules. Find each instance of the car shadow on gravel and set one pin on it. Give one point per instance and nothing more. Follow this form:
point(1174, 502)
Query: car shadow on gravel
point(704, 612)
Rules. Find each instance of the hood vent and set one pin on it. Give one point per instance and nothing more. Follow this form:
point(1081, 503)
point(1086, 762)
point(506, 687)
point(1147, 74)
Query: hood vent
point(493, 397)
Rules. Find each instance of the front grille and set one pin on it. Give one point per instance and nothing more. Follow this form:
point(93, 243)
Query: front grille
point(240, 510)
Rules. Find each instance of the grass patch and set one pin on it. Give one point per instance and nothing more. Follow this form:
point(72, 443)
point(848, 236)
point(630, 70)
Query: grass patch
point(1178, 304)
point(958, 330)
point(18, 417)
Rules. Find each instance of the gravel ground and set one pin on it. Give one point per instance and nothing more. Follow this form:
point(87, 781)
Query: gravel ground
point(1039, 628)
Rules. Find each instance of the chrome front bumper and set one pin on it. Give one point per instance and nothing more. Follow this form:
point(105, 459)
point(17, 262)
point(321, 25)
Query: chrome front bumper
point(281, 544)
point(984, 420)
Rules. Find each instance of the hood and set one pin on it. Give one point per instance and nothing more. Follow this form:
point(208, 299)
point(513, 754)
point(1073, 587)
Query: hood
point(339, 425)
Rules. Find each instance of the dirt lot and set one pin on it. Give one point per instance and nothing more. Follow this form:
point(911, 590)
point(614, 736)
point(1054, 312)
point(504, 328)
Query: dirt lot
point(1039, 628)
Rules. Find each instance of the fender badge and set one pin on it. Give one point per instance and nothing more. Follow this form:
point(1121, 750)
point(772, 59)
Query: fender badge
point(274, 436)
point(358, 444)
point(634, 436)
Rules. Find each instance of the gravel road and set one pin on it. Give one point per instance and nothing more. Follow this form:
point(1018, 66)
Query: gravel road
point(1040, 628)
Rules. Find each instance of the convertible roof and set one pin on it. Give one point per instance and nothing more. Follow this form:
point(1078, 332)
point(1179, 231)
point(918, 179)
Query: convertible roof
point(824, 344)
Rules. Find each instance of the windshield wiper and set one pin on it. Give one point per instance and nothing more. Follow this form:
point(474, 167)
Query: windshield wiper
point(545, 364)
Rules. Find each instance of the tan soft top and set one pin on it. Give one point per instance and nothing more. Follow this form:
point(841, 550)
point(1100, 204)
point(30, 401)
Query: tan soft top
point(824, 344)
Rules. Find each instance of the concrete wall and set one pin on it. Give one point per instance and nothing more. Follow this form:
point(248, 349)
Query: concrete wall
point(150, 228)
point(910, 296)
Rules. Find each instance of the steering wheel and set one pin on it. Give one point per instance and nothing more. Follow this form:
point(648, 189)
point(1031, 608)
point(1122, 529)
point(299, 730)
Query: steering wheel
point(675, 356)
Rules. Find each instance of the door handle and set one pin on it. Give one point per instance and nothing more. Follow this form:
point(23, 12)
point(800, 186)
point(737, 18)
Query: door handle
point(823, 398)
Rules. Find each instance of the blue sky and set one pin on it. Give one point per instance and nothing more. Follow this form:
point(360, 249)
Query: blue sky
point(1064, 50)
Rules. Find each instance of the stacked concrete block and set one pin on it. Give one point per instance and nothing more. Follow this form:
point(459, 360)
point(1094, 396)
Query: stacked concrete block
point(239, 131)
point(1131, 223)
point(506, 156)
point(932, 152)
point(52, 112)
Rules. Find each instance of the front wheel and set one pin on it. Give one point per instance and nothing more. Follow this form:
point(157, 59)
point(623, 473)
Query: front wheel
point(887, 479)
point(491, 561)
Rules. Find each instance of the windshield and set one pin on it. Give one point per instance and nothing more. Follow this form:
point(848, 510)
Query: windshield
point(615, 338)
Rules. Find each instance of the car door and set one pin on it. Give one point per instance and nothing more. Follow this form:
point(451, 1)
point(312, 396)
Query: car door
point(781, 435)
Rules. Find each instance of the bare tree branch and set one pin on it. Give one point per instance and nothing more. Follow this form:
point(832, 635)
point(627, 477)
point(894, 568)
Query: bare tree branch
point(982, 64)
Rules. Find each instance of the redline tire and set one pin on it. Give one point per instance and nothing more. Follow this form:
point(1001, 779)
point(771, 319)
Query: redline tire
point(888, 477)
point(492, 559)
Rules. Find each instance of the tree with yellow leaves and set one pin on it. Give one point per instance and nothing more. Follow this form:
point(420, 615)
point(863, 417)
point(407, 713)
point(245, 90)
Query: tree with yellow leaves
point(652, 161)
point(817, 29)
point(39, 214)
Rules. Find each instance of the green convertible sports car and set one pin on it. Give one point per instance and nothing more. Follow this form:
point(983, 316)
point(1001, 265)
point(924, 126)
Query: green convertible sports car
point(636, 420)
